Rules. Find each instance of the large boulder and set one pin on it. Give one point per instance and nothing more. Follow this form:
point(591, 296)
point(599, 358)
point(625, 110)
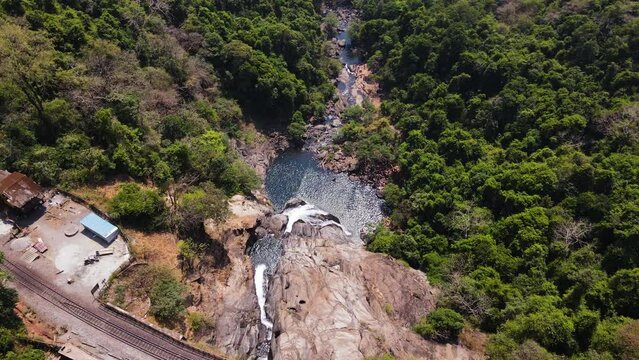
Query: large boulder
point(293, 203)
point(334, 300)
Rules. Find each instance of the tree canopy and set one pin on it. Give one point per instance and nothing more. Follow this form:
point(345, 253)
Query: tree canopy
point(93, 90)
point(517, 153)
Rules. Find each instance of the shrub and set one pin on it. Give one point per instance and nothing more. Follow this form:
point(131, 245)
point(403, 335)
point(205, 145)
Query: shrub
point(606, 336)
point(239, 178)
point(7, 338)
point(198, 321)
point(296, 128)
point(198, 204)
point(549, 326)
point(138, 207)
point(167, 298)
point(530, 350)
point(26, 354)
point(380, 357)
point(443, 325)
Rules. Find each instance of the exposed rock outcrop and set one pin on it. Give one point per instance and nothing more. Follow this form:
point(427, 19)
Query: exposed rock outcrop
point(331, 299)
point(261, 152)
point(228, 294)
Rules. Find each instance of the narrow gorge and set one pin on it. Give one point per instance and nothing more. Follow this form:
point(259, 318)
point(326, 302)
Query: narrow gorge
point(316, 292)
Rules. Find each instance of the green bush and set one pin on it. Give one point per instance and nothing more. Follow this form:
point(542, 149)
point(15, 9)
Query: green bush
point(625, 292)
point(197, 205)
point(550, 327)
point(198, 321)
point(380, 357)
point(167, 298)
point(135, 206)
point(296, 129)
point(239, 178)
point(7, 338)
point(606, 337)
point(26, 354)
point(443, 325)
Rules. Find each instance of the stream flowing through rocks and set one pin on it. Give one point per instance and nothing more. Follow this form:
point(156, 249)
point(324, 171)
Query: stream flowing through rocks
point(329, 198)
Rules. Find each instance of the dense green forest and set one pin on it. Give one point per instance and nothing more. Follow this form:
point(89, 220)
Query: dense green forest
point(152, 89)
point(517, 148)
point(513, 126)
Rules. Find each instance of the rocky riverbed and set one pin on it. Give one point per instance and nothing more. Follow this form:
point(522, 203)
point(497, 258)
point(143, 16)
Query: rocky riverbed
point(355, 86)
point(328, 297)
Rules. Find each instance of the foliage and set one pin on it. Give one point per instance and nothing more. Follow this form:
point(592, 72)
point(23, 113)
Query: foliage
point(167, 298)
point(442, 325)
point(380, 357)
point(137, 206)
point(296, 128)
point(199, 204)
point(625, 290)
point(190, 251)
point(198, 321)
point(26, 354)
point(513, 129)
point(90, 91)
point(369, 137)
point(606, 336)
point(11, 327)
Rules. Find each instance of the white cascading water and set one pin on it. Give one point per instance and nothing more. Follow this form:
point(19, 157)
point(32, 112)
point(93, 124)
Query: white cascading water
point(260, 286)
point(308, 213)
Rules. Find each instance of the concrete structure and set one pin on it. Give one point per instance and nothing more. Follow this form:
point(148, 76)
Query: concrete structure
point(72, 352)
point(19, 192)
point(66, 254)
point(97, 225)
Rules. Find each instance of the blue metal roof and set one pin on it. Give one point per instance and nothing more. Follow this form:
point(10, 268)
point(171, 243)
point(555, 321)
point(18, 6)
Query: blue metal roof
point(98, 225)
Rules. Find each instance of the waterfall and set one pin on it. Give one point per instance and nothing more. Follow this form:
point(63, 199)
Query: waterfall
point(265, 254)
point(309, 214)
point(261, 283)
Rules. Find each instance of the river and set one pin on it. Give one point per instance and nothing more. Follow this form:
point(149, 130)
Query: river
point(297, 173)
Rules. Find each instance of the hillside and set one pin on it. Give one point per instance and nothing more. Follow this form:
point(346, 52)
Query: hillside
point(503, 137)
point(516, 136)
point(90, 90)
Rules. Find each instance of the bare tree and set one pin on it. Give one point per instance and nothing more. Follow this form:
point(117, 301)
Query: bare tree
point(572, 232)
point(466, 298)
point(159, 6)
point(468, 219)
point(622, 124)
point(174, 192)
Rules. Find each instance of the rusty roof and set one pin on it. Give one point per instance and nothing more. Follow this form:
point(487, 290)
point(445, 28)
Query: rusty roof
point(17, 190)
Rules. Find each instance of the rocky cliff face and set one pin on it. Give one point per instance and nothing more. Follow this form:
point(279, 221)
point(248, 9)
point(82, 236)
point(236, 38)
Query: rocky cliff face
point(228, 293)
point(329, 298)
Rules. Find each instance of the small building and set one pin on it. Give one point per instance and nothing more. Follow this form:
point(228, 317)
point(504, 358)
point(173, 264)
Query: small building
point(19, 192)
point(102, 228)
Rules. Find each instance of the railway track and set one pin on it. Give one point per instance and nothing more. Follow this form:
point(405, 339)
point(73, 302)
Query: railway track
point(129, 331)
